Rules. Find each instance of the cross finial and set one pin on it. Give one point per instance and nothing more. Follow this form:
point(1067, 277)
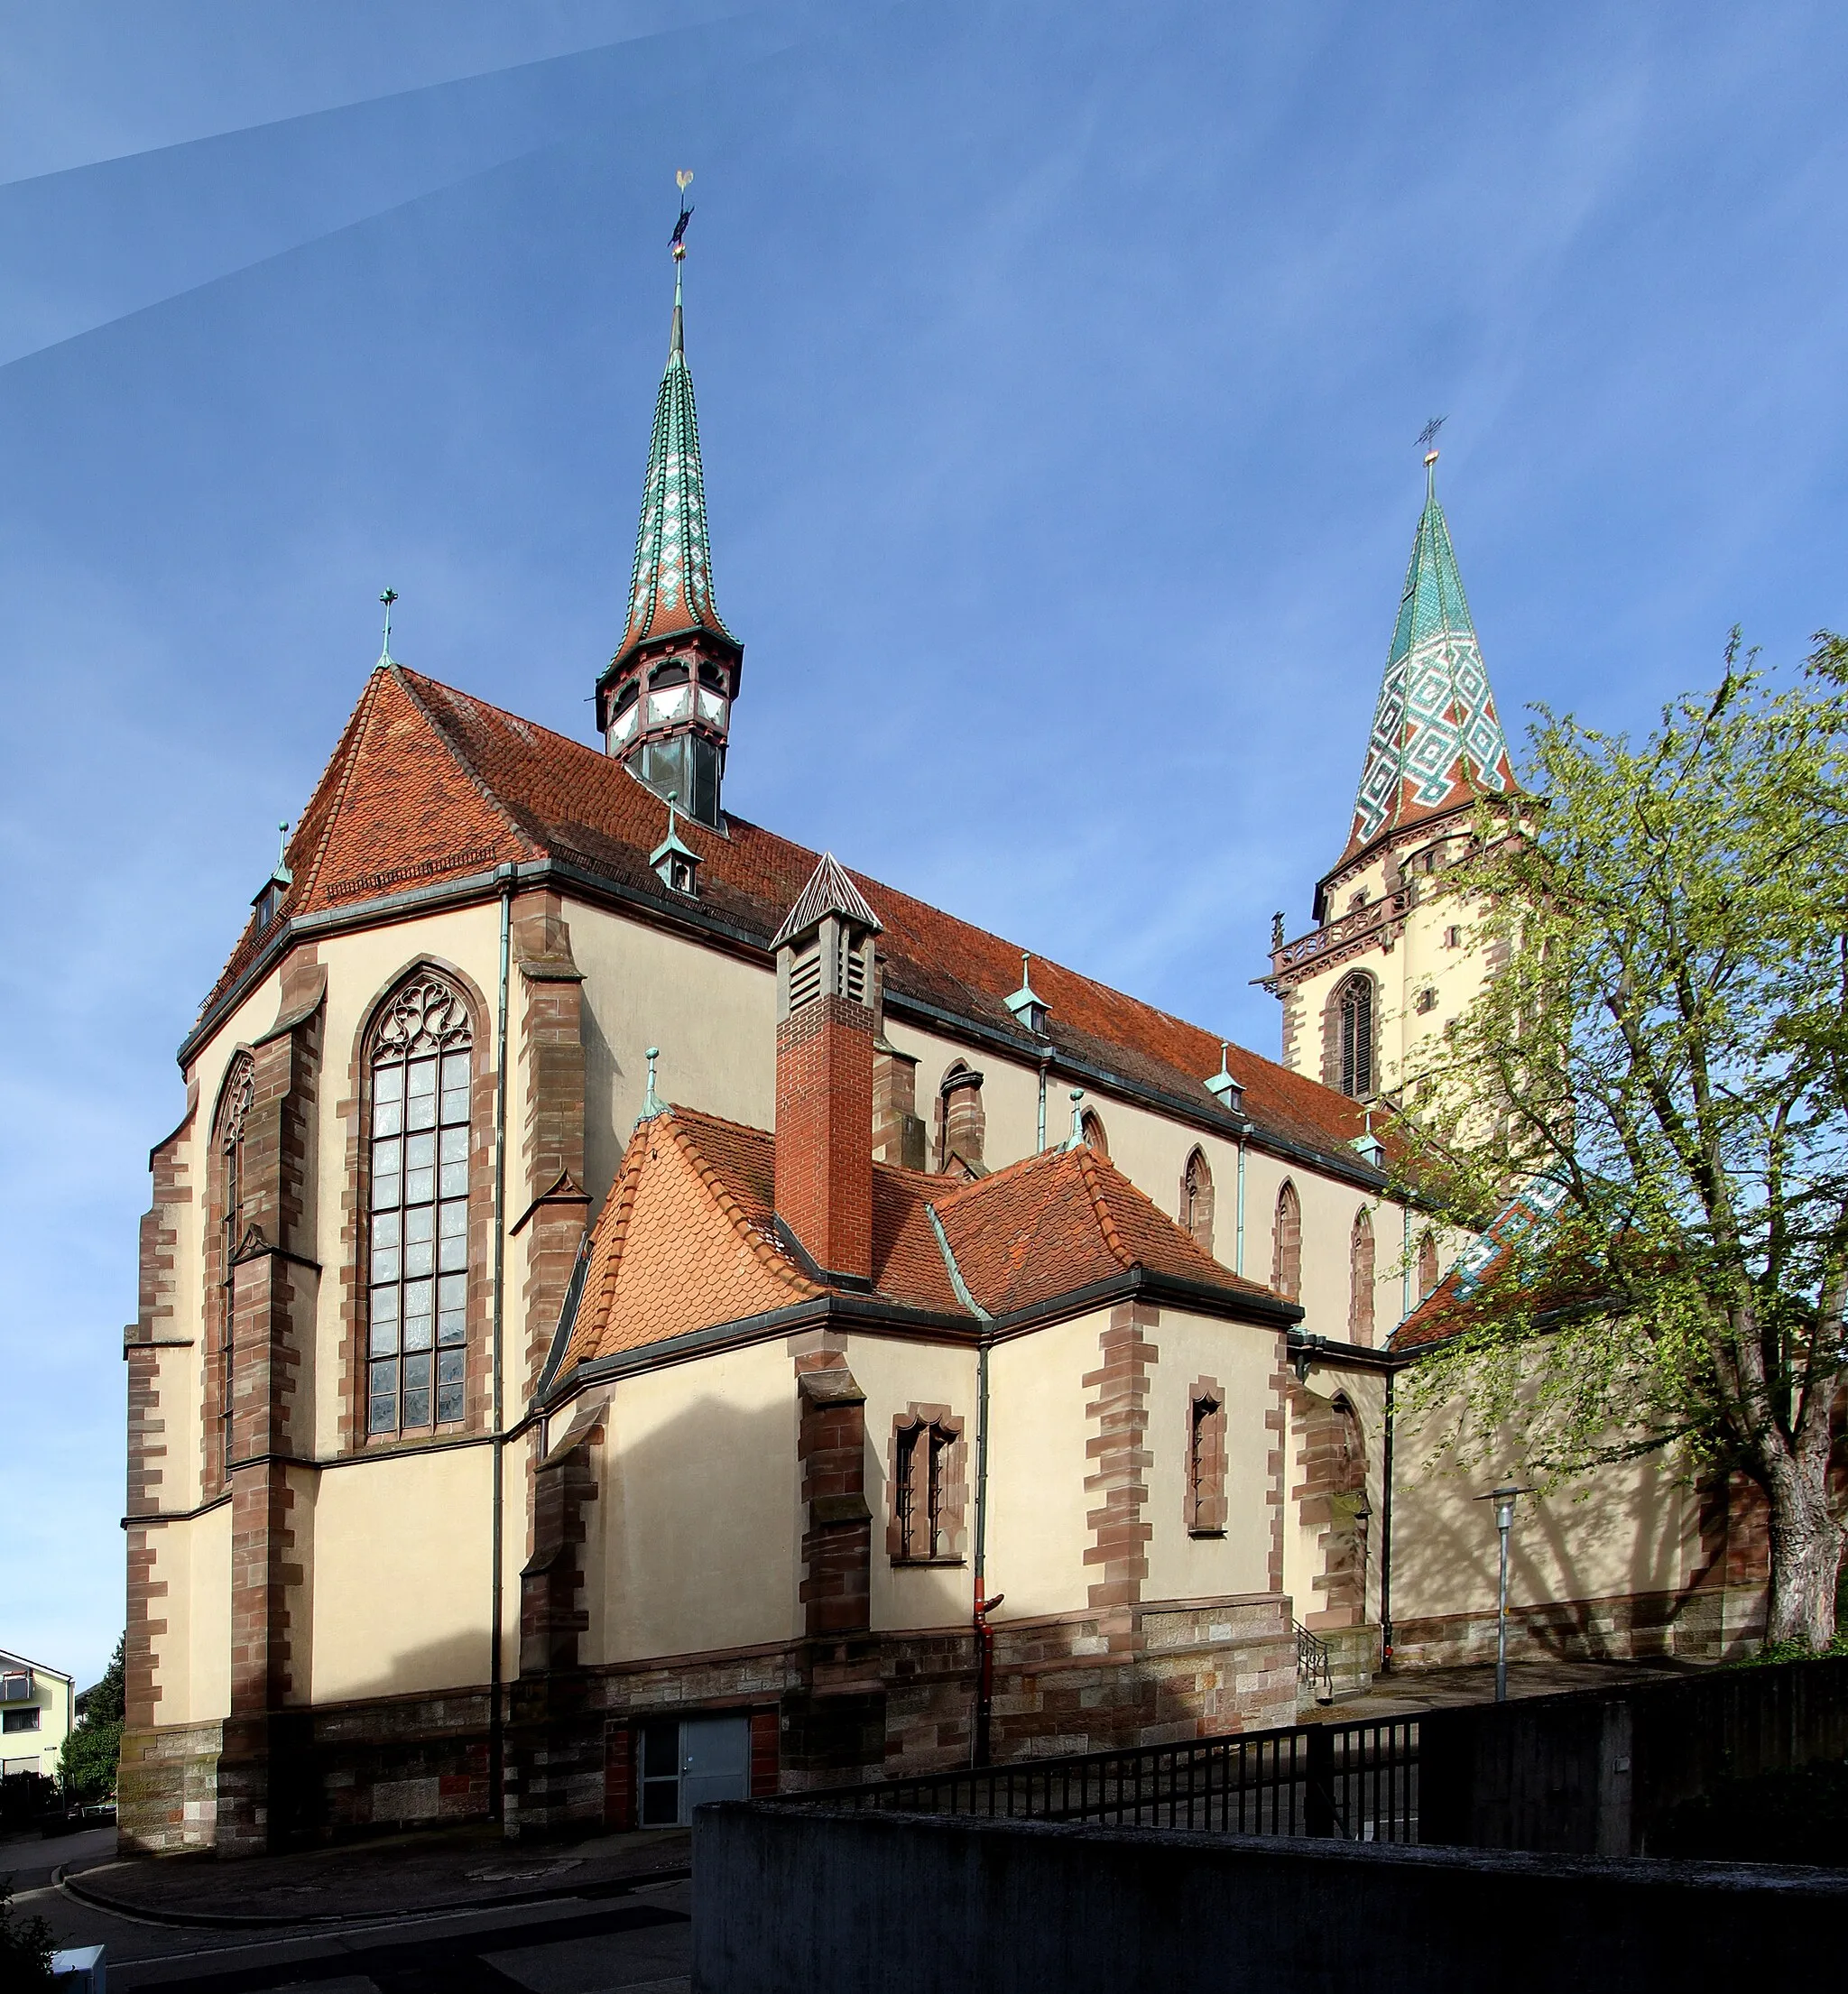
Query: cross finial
point(388, 598)
point(1427, 442)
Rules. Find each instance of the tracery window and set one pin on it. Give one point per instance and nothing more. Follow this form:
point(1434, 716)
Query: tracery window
point(1361, 1268)
point(1287, 1245)
point(1355, 1022)
point(420, 1065)
point(1197, 1200)
point(233, 1111)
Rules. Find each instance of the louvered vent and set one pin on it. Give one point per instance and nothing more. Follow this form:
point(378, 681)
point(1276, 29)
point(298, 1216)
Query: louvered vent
point(852, 980)
point(805, 977)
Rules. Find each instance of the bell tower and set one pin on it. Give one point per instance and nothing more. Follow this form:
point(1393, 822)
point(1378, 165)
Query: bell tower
point(664, 701)
point(1388, 961)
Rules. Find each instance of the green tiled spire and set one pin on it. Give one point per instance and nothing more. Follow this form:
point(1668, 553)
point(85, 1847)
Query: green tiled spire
point(670, 587)
point(1437, 740)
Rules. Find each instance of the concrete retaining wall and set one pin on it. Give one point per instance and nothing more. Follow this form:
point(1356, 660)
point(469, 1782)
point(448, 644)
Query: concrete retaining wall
point(800, 1901)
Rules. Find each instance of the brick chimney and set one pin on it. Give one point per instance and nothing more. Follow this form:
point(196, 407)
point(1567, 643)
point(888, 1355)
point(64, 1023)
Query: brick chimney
point(824, 1073)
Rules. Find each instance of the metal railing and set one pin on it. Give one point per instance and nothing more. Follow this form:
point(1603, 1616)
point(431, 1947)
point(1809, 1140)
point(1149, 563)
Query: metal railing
point(1355, 1781)
point(1314, 1661)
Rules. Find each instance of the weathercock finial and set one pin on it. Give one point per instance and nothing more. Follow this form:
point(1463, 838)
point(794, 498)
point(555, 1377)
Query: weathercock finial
point(677, 242)
point(1427, 442)
point(388, 598)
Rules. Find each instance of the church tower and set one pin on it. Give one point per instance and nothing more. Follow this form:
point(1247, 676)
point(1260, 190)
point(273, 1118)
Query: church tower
point(1388, 962)
point(664, 702)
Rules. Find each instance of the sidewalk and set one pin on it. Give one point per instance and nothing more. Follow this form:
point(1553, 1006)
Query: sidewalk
point(432, 1869)
point(1406, 1693)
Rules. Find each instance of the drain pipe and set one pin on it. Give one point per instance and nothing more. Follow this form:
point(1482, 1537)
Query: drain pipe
point(983, 1605)
point(1045, 1060)
point(497, 1771)
point(1386, 1538)
point(1238, 1257)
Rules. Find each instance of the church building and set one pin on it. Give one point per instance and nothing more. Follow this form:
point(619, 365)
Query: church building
point(634, 1311)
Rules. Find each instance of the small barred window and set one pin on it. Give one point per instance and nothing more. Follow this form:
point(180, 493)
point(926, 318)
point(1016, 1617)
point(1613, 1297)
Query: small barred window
point(421, 1075)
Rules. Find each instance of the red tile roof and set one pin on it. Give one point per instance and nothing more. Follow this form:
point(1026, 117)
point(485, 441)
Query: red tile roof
point(428, 783)
point(687, 1239)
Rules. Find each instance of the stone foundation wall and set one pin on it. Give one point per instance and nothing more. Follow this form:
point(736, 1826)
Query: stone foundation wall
point(825, 1714)
point(167, 1789)
point(1707, 1624)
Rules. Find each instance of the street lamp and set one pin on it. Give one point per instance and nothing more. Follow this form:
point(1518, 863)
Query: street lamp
point(1503, 1497)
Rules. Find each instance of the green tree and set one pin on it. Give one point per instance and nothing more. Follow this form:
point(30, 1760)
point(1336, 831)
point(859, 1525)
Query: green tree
point(1662, 1068)
point(86, 1764)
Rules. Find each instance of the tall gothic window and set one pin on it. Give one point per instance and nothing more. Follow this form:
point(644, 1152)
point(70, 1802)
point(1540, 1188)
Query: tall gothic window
point(420, 1068)
point(1287, 1245)
point(1359, 1300)
point(1354, 1020)
point(1091, 1127)
point(1197, 1200)
point(233, 1111)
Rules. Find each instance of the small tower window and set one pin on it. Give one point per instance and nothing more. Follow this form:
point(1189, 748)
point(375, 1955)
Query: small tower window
point(1355, 1022)
point(1453, 938)
point(624, 715)
point(1426, 1001)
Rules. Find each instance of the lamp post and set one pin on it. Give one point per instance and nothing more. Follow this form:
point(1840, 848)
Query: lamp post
point(1503, 1497)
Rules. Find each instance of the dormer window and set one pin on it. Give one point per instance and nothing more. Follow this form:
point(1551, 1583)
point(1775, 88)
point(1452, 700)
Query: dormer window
point(268, 904)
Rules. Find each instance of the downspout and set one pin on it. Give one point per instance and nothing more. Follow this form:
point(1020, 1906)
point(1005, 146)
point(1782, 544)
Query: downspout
point(1045, 1059)
point(498, 1779)
point(1238, 1257)
point(983, 1604)
point(1405, 1265)
point(1386, 1538)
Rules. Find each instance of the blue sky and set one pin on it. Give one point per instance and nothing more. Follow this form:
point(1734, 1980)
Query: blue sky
point(1059, 373)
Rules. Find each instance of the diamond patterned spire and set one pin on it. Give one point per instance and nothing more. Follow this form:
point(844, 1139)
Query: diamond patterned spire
point(1437, 740)
point(670, 588)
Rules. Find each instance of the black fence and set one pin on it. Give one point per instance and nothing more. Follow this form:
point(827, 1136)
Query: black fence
point(1359, 1782)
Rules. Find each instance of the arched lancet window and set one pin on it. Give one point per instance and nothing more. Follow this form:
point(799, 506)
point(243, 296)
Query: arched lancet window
point(421, 1062)
point(1091, 1127)
point(1359, 1300)
point(1428, 1265)
point(1287, 1245)
point(1197, 1200)
point(230, 1194)
point(1354, 1005)
point(962, 1126)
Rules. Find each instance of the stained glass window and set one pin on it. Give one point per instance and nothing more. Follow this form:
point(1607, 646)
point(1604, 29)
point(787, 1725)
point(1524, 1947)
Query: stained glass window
point(422, 1082)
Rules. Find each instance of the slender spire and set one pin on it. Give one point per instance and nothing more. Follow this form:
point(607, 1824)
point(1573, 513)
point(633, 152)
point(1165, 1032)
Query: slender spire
point(670, 586)
point(1437, 740)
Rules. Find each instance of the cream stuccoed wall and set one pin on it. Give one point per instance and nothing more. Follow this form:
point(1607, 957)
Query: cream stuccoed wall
point(400, 1593)
point(1036, 1464)
point(895, 1376)
point(192, 1653)
point(693, 1543)
point(712, 1015)
point(1241, 1359)
point(1628, 1529)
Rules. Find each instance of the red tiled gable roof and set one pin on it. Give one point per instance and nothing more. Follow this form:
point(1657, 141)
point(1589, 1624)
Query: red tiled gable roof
point(1489, 1273)
point(688, 1240)
point(428, 783)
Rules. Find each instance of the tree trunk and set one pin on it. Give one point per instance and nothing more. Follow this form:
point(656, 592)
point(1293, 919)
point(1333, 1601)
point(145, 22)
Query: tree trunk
point(1805, 1554)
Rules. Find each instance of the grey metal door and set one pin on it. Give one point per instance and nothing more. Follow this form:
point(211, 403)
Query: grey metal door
point(715, 1761)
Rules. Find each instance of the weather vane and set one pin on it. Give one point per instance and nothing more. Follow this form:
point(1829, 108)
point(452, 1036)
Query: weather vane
point(677, 242)
point(388, 598)
point(1428, 437)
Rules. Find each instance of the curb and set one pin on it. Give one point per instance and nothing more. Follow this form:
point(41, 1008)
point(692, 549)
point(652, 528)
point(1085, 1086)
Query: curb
point(245, 1921)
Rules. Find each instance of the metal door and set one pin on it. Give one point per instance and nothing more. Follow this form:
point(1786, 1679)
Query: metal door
point(715, 1761)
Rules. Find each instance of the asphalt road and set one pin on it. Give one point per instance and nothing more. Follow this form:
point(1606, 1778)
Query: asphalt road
point(634, 1937)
